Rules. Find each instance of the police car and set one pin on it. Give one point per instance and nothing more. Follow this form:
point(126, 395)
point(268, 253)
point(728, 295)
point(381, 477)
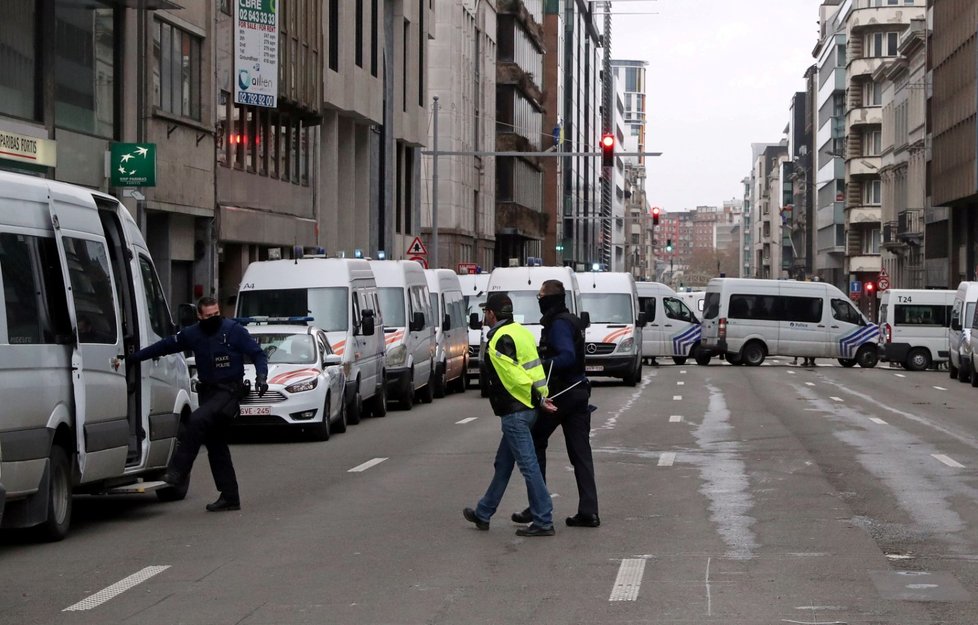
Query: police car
point(305, 378)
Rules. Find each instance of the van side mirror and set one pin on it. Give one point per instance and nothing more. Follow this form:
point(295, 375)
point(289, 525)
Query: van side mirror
point(186, 315)
point(417, 322)
point(586, 318)
point(332, 359)
point(474, 322)
point(640, 322)
point(446, 324)
point(367, 324)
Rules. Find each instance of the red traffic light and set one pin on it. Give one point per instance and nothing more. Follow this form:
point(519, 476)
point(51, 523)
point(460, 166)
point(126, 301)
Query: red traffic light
point(655, 215)
point(608, 140)
point(607, 150)
point(870, 286)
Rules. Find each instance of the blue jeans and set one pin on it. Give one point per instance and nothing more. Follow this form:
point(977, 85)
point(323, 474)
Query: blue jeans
point(516, 447)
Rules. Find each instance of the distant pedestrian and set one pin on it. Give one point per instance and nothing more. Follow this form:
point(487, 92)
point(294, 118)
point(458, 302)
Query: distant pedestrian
point(517, 386)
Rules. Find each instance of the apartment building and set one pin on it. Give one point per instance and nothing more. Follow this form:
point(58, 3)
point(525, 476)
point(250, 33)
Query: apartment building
point(521, 222)
point(746, 249)
point(770, 192)
point(629, 76)
point(462, 74)
point(951, 226)
point(799, 213)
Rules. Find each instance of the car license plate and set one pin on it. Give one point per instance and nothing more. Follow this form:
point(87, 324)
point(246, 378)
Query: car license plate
point(255, 411)
point(593, 368)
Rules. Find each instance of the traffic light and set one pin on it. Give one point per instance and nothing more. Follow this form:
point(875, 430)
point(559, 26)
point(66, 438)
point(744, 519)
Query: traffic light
point(669, 245)
point(607, 150)
point(655, 215)
point(870, 287)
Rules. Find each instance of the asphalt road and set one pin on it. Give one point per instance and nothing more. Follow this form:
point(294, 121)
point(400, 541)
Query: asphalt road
point(729, 495)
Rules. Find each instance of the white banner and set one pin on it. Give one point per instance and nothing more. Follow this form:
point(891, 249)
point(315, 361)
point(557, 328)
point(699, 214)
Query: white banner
point(256, 52)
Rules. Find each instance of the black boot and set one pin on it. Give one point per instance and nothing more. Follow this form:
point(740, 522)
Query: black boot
point(224, 505)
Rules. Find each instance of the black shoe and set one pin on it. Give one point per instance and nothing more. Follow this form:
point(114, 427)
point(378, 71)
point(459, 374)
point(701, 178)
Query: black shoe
point(532, 530)
point(223, 505)
point(470, 516)
point(522, 517)
point(172, 478)
point(583, 520)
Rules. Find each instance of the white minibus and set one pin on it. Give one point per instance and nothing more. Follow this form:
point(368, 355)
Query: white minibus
point(78, 289)
point(913, 327)
point(340, 294)
point(959, 331)
point(746, 320)
point(671, 329)
point(451, 331)
point(409, 329)
point(474, 295)
point(613, 340)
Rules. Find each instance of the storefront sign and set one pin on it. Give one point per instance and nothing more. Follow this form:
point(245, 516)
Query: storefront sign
point(132, 165)
point(25, 149)
point(256, 52)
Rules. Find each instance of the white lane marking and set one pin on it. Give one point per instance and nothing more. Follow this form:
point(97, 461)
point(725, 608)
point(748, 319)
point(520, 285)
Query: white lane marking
point(629, 580)
point(791, 373)
point(709, 597)
point(667, 458)
point(683, 372)
point(680, 383)
point(899, 375)
point(834, 398)
point(116, 589)
point(676, 418)
point(948, 461)
point(940, 388)
point(677, 397)
point(466, 420)
point(877, 421)
point(809, 384)
point(366, 465)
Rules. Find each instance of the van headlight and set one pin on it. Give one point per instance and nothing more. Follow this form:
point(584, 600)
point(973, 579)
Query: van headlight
point(626, 345)
point(396, 356)
point(305, 385)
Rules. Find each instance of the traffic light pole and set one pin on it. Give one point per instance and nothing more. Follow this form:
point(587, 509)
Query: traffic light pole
point(434, 186)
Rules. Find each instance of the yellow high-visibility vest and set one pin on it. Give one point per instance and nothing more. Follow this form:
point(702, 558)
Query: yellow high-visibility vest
point(523, 374)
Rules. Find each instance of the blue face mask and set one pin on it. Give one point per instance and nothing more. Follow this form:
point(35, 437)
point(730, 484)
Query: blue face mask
point(211, 324)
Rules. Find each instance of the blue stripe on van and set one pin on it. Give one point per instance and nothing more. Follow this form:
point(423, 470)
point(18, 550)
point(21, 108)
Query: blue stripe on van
point(681, 343)
point(850, 343)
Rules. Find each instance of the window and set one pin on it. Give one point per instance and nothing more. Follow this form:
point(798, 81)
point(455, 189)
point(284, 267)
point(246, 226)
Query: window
point(91, 284)
point(873, 94)
point(873, 192)
point(392, 306)
point(176, 70)
point(334, 35)
point(84, 67)
point(19, 58)
point(676, 309)
point(374, 33)
point(757, 307)
point(159, 313)
point(844, 311)
point(34, 291)
point(358, 30)
point(327, 306)
point(802, 309)
point(921, 315)
point(871, 241)
point(608, 308)
point(883, 44)
point(872, 143)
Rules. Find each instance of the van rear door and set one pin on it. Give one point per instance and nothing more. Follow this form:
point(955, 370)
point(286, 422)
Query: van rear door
point(99, 383)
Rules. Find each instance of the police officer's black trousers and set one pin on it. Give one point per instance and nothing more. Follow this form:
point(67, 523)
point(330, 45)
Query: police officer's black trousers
point(209, 425)
point(574, 417)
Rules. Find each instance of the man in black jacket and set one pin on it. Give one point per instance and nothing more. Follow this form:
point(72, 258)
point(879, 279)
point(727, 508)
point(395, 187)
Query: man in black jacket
point(219, 346)
point(562, 352)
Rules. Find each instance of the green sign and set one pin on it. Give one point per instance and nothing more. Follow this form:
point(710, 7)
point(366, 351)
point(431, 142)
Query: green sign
point(133, 164)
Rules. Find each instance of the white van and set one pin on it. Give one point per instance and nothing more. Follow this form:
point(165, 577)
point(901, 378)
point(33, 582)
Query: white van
point(522, 284)
point(746, 320)
point(913, 326)
point(474, 294)
point(694, 300)
point(613, 340)
point(73, 297)
point(671, 329)
point(451, 331)
point(409, 330)
point(959, 331)
point(340, 295)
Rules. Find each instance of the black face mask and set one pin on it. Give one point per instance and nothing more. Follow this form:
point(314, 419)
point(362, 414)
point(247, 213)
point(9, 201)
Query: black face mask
point(211, 324)
point(550, 302)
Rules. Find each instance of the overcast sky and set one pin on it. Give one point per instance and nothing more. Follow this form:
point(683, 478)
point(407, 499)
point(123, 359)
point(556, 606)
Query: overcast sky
point(721, 76)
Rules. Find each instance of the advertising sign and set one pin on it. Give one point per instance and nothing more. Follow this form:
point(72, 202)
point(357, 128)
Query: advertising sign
point(132, 165)
point(256, 52)
point(25, 149)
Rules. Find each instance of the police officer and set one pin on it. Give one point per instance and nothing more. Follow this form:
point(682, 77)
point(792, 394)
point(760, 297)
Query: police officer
point(562, 351)
point(218, 345)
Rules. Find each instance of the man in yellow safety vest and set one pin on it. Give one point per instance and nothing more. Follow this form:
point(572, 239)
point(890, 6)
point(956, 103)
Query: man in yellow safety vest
point(517, 385)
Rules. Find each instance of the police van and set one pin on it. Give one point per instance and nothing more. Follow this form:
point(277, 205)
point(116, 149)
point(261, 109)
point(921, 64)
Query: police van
point(409, 330)
point(78, 289)
point(613, 340)
point(959, 331)
point(913, 327)
point(672, 329)
point(340, 294)
point(474, 295)
point(451, 331)
point(746, 320)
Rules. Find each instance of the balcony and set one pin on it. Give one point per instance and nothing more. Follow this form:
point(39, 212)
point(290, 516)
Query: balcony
point(865, 66)
point(890, 240)
point(865, 262)
point(864, 166)
point(910, 225)
point(864, 115)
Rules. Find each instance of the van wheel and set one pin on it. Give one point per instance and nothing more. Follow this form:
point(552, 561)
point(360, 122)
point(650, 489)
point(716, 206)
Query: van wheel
point(437, 381)
point(733, 358)
point(483, 386)
point(340, 426)
point(702, 358)
point(868, 356)
point(461, 383)
point(378, 403)
point(917, 360)
point(55, 526)
point(407, 393)
point(847, 362)
point(952, 371)
point(354, 410)
point(964, 373)
point(633, 377)
point(753, 354)
point(320, 431)
point(974, 381)
point(679, 360)
point(426, 394)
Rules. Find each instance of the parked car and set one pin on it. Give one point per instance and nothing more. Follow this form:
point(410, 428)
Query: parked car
point(305, 381)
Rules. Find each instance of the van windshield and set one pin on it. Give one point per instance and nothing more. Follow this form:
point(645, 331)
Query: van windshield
point(526, 308)
point(473, 304)
point(608, 307)
point(327, 306)
point(392, 306)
